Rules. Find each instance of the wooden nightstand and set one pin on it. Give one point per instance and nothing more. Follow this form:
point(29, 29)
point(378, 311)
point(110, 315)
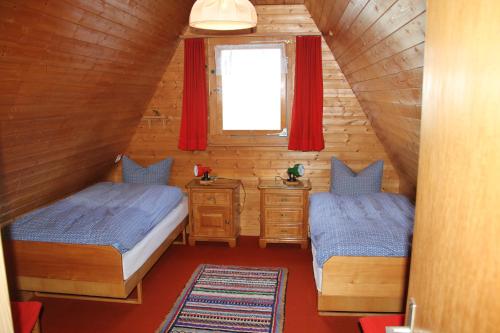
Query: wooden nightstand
point(214, 211)
point(283, 212)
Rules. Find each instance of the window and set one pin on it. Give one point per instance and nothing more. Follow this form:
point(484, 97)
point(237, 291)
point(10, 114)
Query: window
point(255, 69)
point(248, 92)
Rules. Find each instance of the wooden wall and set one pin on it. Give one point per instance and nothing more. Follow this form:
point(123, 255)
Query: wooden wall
point(348, 133)
point(379, 45)
point(75, 77)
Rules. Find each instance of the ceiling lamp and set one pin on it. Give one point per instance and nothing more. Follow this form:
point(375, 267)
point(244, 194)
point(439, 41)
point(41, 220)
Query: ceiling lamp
point(223, 15)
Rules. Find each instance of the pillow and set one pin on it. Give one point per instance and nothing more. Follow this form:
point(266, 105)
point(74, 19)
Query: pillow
point(155, 174)
point(344, 181)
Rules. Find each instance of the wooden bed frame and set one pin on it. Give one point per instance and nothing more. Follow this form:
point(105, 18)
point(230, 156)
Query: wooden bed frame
point(91, 272)
point(362, 285)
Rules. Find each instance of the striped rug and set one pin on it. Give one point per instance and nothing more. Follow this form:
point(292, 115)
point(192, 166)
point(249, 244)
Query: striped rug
point(230, 299)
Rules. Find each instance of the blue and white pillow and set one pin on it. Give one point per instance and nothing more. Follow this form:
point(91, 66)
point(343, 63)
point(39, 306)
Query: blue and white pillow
point(346, 182)
point(155, 174)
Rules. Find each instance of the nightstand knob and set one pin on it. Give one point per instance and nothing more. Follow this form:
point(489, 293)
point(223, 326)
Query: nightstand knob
point(226, 221)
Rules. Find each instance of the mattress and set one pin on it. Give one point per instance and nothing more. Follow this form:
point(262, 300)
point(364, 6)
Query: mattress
point(318, 271)
point(133, 259)
point(116, 214)
point(373, 225)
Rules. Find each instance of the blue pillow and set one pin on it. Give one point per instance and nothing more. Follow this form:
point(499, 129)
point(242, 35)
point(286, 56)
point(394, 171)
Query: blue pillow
point(155, 174)
point(344, 181)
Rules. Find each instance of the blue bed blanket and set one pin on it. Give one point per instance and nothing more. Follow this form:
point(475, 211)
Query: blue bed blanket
point(116, 214)
point(376, 224)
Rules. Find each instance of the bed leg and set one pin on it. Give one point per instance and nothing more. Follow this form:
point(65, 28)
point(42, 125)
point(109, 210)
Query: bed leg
point(139, 293)
point(183, 241)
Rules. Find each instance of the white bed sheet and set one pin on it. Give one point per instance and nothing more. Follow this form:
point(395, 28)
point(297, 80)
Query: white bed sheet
point(318, 271)
point(132, 260)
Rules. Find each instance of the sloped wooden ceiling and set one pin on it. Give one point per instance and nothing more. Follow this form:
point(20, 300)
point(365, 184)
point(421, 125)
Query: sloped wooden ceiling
point(75, 77)
point(379, 45)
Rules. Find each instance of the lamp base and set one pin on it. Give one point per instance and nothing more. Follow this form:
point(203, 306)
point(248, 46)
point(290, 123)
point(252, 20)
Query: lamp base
point(292, 182)
point(206, 182)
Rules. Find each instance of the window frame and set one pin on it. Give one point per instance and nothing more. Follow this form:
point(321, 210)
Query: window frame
point(219, 137)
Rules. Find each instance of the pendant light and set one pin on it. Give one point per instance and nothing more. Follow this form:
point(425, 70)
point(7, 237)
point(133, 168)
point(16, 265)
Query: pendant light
point(223, 15)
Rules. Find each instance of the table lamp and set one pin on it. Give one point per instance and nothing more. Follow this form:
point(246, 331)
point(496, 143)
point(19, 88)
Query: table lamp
point(202, 171)
point(293, 173)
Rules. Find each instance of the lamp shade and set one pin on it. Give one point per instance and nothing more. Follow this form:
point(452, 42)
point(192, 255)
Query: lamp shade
point(199, 170)
point(297, 170)
point(223, 15)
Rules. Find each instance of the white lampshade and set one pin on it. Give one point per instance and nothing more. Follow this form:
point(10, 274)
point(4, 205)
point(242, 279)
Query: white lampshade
point(223, 15)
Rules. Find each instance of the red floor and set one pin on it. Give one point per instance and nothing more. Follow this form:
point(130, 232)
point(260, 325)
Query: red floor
point(168, 277)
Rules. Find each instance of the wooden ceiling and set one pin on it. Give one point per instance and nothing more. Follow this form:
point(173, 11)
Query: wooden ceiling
point(75, 77)
point(379, 45)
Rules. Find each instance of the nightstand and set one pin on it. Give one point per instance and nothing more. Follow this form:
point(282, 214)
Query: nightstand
point(283, 212)
point(214, 211)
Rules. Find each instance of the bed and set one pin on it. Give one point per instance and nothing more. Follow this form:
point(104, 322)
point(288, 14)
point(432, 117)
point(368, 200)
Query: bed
point(97, 244)
point(360, 246)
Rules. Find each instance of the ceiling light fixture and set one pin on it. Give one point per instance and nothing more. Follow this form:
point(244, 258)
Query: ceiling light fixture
point(223, 15)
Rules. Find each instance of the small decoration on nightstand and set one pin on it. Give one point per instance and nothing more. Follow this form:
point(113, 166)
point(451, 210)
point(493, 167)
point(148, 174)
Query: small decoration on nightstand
point(203, 172)
point(296, 171)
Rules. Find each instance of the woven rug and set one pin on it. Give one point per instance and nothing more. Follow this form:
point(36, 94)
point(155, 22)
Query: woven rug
point(230, 299)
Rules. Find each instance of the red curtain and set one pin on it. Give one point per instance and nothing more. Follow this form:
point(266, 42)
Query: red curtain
point(306, 132)
point(193, 133)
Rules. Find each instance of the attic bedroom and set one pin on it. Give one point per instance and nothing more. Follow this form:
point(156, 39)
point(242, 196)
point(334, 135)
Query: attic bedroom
point(249, 166)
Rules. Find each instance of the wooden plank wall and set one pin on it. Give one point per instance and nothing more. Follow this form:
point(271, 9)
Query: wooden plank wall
point(75, 78)
point(379, 45)
point(348, 133)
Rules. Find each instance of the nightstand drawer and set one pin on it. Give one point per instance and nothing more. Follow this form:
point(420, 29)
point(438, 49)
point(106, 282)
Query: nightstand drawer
point(283, 199)
point(284, 231)
point(280, 215)
point(210, 198)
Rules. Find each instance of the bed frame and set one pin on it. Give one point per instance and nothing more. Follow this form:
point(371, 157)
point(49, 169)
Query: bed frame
point(363, 285)
point(78, 271)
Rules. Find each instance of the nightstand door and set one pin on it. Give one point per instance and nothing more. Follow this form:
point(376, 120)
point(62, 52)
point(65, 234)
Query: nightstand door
point(212, 221)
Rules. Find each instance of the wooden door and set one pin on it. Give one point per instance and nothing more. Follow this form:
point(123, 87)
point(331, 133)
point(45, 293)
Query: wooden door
point(212, 221)
point(455, 268)
point(6, 325)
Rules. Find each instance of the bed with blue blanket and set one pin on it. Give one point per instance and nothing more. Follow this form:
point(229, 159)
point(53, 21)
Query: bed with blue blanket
point(360, 245)
point(99, 242)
